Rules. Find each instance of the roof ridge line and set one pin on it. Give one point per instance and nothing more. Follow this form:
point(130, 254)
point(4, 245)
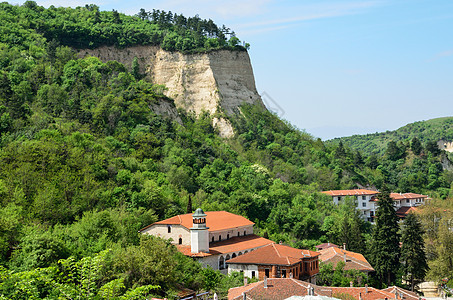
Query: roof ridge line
point(276, 250)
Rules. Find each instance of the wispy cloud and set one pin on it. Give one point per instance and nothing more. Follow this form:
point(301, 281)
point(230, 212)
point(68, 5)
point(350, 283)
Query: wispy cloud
point(441, 55)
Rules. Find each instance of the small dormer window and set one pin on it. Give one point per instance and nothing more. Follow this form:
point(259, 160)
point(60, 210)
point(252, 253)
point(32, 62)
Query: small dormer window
point(169, 228)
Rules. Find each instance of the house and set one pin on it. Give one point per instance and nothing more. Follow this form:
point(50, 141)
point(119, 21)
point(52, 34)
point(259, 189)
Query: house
point(278, 289)
point(367, 201)
point(290, 288)
point(211, 238)
point(352, 260)
point(277, 261)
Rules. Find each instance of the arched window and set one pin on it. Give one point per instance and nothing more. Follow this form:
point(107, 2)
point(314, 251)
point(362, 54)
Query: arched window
point(180, 241)
point(245, 232)
point(221, 263)
point(227, 257)
point(169, 228)
point(220, 237)
point(234, 255)
point(240, 253)
point(239, 234)
point(228, 236)
point(213, 239)
point(246, 251)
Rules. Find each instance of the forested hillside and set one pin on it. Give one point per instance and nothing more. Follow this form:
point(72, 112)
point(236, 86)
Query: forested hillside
point(426, 131)
point(85, 163)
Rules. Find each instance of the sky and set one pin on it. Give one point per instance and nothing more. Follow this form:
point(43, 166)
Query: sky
point(331, 67)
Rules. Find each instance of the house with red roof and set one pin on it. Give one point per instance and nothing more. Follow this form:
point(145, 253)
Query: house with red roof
point(367, 201)
point(277, 261)
point(352, 260)
point(211, 238)
point(290, 288)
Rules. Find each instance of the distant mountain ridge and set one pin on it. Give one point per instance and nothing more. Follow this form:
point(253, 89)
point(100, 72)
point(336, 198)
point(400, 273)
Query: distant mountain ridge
point(431, 130)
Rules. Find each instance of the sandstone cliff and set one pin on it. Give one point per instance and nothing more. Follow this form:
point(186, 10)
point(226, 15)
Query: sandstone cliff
point(220, 80)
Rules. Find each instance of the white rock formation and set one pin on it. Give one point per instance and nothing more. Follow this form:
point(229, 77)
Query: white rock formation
point(219, 80)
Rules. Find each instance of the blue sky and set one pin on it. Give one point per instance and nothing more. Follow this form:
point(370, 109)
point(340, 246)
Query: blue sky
point(336, 68)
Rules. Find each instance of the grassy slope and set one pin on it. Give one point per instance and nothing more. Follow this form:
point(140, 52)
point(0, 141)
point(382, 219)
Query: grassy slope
point(434, 129)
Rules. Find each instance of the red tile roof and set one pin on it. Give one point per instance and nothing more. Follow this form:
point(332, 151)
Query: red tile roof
point(398, 196)
point(407, 295)
point(274, 254)
point(354, 261)
point(356, 192)
point(362, 293)
point(325, 245)
point(283, 288)
point(277, 288)
point(235, 244)
point(403, 211)
point(215, 220)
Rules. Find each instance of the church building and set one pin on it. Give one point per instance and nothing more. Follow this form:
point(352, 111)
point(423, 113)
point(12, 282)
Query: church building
point(211, 238)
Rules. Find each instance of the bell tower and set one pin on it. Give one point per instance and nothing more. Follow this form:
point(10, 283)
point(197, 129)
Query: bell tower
point(199, 234)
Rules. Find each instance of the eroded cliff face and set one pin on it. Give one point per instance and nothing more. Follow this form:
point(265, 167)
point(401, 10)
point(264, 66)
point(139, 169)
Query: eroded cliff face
point(220, 80)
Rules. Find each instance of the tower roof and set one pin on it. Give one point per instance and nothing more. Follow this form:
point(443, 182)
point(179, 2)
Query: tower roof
point(199, 213)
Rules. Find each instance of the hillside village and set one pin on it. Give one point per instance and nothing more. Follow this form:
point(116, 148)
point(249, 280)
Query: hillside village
point(114, 127)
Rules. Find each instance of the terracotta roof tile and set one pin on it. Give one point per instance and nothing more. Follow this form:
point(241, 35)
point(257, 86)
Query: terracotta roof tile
point(407, 295)
point(325, 245)
point(398, 196)
point(215, 220)
point(278, 289)
point(235, 244)
point(369, 293)
point(274, 254)
point(356, 192)
point(354, 260)
point(403, 211)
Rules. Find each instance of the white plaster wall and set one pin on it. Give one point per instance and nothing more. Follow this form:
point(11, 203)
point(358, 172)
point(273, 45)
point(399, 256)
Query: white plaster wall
point(247, 269)
point(177, 231)
point(231, 232)
point(199, 241)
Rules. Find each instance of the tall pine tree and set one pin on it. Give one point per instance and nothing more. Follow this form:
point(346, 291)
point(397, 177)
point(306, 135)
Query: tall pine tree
point(413, 256)
point(385, 249)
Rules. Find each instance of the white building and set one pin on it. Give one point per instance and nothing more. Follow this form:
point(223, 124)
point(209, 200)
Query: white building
point(367, 201)
point(211, 238)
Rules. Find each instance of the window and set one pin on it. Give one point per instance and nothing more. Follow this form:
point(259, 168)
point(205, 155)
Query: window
point(239, 233)
point(180, 241)
point(363, 197)
point(253, 274)
point(283, 273)
point(169, 228)
point(220, 237)
point(245, 232)
point(213, 239)
point(266, 272)
point(228, 236)
point(234, 255)
point(221, 263)
point(363, 204)
point(407, 200)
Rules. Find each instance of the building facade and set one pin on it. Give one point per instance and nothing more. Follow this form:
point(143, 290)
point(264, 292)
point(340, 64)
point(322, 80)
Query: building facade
point(212, 238)
point(366, 201)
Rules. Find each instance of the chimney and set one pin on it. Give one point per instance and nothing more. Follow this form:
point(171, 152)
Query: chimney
point(396, 294)
point(280, 242)
point(265, 282)
point(366, 288)
point(245, 281)
point(244, 296)
point(344, 257)
point(351, 284)
point(344, 246)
